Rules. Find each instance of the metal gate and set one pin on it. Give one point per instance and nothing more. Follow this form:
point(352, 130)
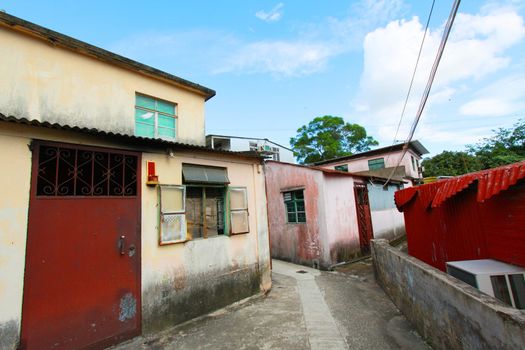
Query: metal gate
point(364, 218)
point(82, 274)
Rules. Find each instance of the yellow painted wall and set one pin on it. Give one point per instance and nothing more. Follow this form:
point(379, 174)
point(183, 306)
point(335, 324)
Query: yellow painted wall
point(48, 83)
point(159, 263)
point(15, 158)
point(203, 254)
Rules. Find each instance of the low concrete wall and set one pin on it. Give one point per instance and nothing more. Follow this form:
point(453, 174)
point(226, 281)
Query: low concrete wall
point(448, 313)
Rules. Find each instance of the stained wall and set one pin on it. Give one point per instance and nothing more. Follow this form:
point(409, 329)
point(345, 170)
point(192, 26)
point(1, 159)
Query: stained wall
point(45, 82)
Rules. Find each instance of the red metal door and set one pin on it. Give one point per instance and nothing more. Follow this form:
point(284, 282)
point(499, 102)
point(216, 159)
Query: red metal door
point(364, 218)
point(82, 275)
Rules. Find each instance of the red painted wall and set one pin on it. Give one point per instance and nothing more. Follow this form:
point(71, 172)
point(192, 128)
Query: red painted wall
point(462, 228)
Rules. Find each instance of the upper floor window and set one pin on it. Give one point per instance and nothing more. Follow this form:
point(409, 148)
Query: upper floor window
point(155, 118)
point(343, 167)
point(413, 163)
point(275, 154)
point(253, 146)
point(378, 163)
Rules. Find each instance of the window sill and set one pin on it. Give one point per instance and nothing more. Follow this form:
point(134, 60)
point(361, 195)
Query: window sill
point(174, 242)
point(239, 233)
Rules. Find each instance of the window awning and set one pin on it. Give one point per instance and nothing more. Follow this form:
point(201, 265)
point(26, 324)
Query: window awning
point(198, 174)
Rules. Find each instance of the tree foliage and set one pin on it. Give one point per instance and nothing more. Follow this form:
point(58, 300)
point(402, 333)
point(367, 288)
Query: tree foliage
point(450, 164)
point(329, 137)
point(506, 146)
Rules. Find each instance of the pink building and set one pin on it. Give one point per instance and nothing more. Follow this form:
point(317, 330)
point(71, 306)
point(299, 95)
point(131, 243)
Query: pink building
point(380, 162)
point(319, 217)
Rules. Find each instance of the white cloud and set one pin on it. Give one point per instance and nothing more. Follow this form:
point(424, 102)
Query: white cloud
point(273, 15)
point(477, 47)
point(307, 48)
point(503, 97)
point(280, 58)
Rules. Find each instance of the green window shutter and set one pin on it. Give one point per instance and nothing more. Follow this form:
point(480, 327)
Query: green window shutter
point(378, 163)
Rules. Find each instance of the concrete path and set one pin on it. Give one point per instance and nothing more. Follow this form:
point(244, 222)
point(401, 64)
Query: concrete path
point(320, 325)
point(306, 309)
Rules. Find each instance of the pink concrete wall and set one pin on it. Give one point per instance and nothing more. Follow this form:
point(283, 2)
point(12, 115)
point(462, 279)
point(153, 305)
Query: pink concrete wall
point(330, 234)
point(299, 242)
point(343, 233)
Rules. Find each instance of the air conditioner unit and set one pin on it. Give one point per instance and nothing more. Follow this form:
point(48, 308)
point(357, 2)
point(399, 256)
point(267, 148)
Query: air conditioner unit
point(503, 281)
point(265, 148)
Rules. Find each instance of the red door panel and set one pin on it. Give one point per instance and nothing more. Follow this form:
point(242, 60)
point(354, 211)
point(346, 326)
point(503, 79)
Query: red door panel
point(82, 277)
point(364, 218)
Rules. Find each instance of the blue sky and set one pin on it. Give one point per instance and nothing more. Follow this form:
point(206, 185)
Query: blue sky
point(278, 64)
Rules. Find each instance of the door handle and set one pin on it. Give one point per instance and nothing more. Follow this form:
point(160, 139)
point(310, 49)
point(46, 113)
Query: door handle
point(121, 245)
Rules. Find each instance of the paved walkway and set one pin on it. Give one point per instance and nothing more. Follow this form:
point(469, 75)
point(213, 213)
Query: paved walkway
point(306, 309)
point(320, 325)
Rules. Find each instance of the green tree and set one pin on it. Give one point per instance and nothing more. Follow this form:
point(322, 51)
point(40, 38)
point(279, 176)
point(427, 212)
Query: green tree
point(506, 146)
point(329, 137)
point(449, 163)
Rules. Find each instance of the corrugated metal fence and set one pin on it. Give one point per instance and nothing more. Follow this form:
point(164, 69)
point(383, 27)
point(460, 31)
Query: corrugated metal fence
point(475, 216)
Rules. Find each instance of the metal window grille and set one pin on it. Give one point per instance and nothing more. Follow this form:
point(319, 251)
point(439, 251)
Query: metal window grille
point(65, 171)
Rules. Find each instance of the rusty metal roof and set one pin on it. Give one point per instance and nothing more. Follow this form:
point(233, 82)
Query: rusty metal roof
point(130, 139)
point(489, 183)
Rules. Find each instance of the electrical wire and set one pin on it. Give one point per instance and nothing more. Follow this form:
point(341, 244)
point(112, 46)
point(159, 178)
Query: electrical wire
point(426, 93)
point(414, 72)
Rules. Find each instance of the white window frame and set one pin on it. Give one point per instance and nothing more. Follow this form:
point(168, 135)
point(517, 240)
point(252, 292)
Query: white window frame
point(181, 214)
point(238, 210)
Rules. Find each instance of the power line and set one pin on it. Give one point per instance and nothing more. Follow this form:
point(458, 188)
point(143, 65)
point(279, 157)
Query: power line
point(424, 98)
point(414, 72)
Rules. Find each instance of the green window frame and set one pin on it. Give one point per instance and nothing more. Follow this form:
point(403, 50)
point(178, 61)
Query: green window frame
point(295, 207)
point(155, 118)
point(343, 167)
point(378, 163)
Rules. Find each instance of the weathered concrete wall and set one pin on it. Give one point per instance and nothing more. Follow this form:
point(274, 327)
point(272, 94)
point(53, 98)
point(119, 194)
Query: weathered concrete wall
point(388, 224)
point(343, 230)
point(179, 281)
point(48, 83)
point(184, 280)
point(447, 312)
point(15, 158)
point(387, 221)
point(300, 243)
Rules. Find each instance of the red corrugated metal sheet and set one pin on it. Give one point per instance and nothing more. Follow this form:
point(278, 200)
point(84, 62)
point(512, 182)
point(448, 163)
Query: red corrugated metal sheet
point(490, 182)
point(403, 197)
point(470, 220)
